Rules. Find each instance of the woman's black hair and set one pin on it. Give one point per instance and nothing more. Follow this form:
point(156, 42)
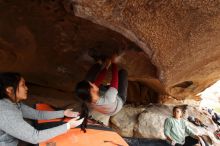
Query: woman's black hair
point(84, 114)
point(83, 92)
point(8, 79)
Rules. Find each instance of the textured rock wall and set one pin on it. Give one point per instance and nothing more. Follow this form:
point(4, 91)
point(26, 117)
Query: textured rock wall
point(49, 45)
point(148, 122)
point(180, 37)
point(53, 49)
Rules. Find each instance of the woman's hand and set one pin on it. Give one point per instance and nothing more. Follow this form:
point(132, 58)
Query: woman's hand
point(75, 122)
point(70, 113)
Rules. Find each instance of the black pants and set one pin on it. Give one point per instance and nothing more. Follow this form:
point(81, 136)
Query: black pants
point(189, 141)
point(122, 76)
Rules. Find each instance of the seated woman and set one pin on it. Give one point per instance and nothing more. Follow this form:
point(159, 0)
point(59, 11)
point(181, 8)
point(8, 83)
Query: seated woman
point(95, 97)
point(12, 124)
point(176, 130)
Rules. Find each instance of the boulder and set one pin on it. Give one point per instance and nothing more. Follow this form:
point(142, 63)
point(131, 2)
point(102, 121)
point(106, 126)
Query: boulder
point(148, 121)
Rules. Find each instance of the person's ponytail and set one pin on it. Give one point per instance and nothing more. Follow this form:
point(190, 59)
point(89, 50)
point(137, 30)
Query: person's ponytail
point(82, 91)
point(84, 114)
point(2, 91)
point(8, 79)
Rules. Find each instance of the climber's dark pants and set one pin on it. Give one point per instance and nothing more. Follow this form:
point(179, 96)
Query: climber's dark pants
point(189, 141)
